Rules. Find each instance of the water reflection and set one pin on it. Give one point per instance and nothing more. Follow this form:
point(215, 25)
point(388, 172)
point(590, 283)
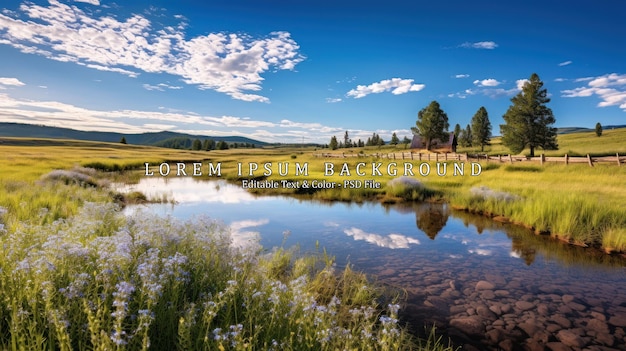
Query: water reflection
point(390, 241)
point(517, 271)
point(431, 219)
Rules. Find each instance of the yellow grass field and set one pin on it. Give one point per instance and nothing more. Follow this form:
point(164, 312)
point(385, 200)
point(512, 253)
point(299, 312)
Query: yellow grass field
point(580, 204)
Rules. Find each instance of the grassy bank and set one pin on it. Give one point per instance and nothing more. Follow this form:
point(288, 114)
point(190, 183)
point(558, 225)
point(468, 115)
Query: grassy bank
point(101, 281)
point(580, 204)
point(77, 275)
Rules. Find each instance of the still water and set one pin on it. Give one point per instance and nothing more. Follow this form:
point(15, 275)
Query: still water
point(482, 283)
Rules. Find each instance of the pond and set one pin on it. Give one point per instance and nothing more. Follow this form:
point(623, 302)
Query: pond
point(484, 284)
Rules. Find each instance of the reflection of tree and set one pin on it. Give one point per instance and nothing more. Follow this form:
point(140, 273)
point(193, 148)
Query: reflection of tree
point(431, 219)
point(526, 252)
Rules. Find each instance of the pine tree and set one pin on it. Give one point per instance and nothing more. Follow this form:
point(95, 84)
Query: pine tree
point(457, 130)
point(481, 129)
point(598, 129)
point(123, 140)
point(333, 143)
point(467, 136)
point(196, 145)
point(528, 120)
point(406, 141)
point(432, 123)
point(394, 139)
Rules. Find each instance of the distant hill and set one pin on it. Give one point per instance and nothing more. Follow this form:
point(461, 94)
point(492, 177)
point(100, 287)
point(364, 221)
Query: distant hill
point(569, 130)
point(154, 139)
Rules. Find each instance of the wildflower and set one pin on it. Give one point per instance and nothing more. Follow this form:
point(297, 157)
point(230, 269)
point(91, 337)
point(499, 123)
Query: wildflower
point(118, 337)
point(393, 309)
point(216, 334)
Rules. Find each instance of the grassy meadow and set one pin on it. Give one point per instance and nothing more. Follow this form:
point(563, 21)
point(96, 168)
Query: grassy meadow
point(76, 274)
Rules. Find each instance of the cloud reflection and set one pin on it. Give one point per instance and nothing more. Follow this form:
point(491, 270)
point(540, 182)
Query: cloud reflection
point(391, 241)
point(190, 190)
point(480, 252)
point(243, 238)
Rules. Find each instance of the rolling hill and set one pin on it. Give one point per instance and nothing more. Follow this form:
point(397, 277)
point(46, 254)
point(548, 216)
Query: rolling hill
point(38, 131)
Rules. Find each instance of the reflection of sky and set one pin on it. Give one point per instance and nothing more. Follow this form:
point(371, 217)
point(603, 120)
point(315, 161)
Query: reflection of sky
point(391, 241)
point(352, 232)
point(246, 238)
point(190, 190)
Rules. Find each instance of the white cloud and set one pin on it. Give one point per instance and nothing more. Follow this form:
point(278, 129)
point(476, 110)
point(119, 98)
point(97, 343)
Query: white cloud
point(92, 2)
point(161, 87)
point(560, 79)
point(487, 82)
point(565, 63)
point(333, 100)
point(58, 114)
point(520, 83)
point(397, 86)
point(11, 82)
point(610, 88)
point(487, 87)
point(232, 64)
point(583, 79)
point(461, 76)
point(489, 45)
point(391, 241)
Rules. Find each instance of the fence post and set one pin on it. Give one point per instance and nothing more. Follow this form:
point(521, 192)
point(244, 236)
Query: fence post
point(589, 160)
point(566, 159)
point(436, 157)
point(542, 159)
point(466, 157)
point(617, 154)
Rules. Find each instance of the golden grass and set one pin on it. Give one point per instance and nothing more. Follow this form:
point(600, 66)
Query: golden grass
point(574, 144)
point(575, 202)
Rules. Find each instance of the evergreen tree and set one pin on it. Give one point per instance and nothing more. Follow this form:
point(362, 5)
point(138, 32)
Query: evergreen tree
point(457, 131)
point(432, 123)
point(467, 136)
point(123, 140)
point(346, 140)
point(333, 145)
point(598, 129)
point(406, 141)
point(528, 120)
point(481, 129)
point(196, 145)
point(222, 145)
point(394, 139)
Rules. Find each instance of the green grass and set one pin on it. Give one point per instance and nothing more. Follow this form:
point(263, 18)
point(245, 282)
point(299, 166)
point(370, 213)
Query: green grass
point(573, 144)
point(75, 274)
point(102, 281)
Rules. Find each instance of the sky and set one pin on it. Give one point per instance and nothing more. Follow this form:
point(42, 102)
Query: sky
point(303, 71)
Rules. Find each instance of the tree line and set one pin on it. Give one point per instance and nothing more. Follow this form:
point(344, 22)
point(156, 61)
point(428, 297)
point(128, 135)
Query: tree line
point(528, 124)
point(374, 140)
point(201, 145)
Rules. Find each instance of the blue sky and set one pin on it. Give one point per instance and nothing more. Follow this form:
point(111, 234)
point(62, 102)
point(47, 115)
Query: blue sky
point(294, 71)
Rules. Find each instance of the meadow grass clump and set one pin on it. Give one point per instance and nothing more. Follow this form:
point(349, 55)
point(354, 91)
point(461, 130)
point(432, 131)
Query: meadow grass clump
point(103, 281)
point(70, 177)
point(407, 188)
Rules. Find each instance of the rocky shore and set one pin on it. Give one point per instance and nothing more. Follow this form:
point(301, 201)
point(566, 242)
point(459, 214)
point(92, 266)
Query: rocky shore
point(516, 311)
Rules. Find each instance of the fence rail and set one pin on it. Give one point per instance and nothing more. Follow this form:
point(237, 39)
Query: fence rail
point(419, 156)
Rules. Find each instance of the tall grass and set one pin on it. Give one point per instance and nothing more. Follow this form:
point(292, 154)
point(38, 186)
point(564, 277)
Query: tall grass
point(577, 204)
point(102, 281)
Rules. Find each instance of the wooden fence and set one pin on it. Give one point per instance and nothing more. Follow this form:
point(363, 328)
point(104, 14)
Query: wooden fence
point(437, 157)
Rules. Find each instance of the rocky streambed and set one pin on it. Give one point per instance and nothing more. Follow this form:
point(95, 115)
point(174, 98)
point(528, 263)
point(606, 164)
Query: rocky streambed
point(519, 310)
